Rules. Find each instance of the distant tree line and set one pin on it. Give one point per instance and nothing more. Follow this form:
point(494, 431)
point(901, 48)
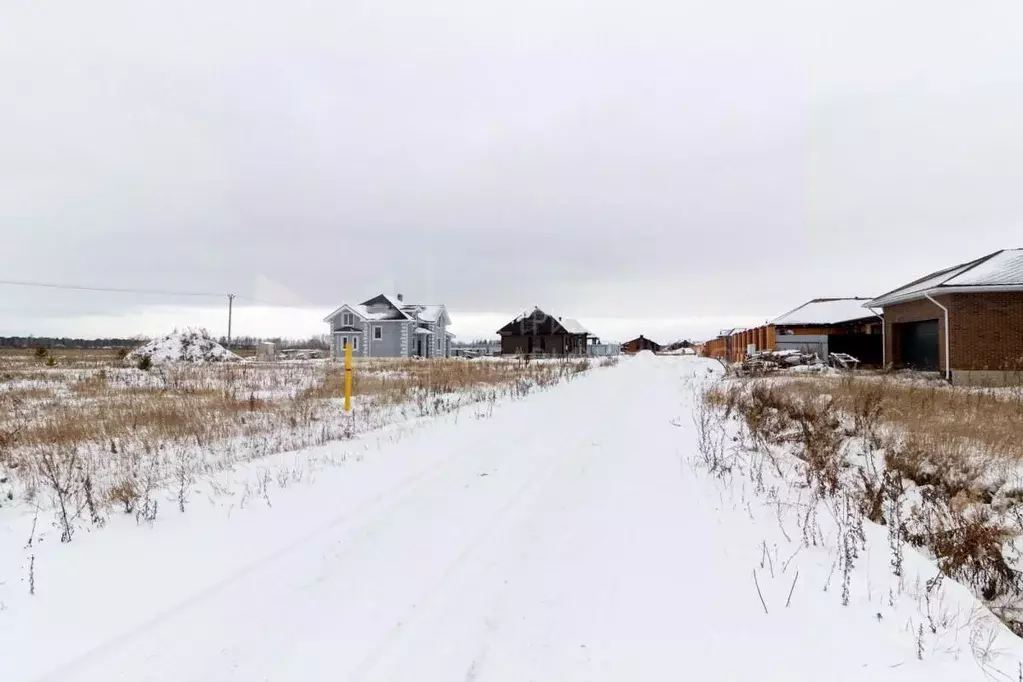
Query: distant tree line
point(240, 342)
point(476, 343)
point(65, 342)
point(320, 342)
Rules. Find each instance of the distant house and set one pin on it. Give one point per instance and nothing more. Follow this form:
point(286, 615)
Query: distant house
point(388, 327)
point(535, 332)
point(641, 343)
point(965, 321)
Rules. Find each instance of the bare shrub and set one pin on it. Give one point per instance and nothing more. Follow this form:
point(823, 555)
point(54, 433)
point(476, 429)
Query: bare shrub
point(59, 469)
point(969, 546)
point(764, 411)
point(125, 494)
point(818, 434)
point(711, 434)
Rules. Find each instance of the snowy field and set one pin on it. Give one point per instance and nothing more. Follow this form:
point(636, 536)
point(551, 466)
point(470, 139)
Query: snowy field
point(111, 433)
point(611, 527)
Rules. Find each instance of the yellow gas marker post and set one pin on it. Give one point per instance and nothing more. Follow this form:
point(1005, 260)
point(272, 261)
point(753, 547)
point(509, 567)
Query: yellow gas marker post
point(348, 377)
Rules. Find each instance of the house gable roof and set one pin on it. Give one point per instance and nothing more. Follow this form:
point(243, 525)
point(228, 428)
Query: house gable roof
point(822, 311)
point(427, 313)
point(641, 338)
point(384, 307)
point(998, 271)
point(543, 323)
point(395, 308)
point(358, 310)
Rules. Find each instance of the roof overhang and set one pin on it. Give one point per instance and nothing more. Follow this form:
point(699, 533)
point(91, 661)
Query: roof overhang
point(838, 323)
point(896, 299)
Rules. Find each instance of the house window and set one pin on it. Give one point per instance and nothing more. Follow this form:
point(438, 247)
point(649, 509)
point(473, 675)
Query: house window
point(355, 343)
point(346, 319)
point(344, 344)
point(378, 332)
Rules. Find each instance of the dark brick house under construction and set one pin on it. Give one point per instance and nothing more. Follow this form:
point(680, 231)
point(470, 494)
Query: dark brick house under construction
point(537, 333)
point(965, 321)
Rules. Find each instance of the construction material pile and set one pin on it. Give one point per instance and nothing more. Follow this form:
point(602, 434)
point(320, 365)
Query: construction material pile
point(768, 362)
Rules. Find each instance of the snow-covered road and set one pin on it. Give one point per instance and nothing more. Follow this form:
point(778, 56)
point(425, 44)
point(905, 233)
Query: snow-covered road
point(564, 538)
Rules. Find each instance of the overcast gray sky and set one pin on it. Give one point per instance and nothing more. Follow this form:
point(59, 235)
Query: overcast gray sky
point(667, 165)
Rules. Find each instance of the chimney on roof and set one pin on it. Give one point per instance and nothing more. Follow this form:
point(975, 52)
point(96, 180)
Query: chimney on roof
point(401, 298)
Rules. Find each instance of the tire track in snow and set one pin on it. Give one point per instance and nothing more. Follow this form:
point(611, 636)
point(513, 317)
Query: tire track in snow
point(359, 521)
point(369, 512)
point(534, 483)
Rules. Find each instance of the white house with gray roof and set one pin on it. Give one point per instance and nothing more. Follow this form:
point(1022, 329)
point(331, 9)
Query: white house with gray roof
point(387, 327)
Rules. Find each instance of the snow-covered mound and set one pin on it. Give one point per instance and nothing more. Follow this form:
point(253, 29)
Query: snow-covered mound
point(189, 345)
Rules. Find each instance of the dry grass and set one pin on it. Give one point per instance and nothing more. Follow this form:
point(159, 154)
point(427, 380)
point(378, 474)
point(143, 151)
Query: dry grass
point(942, 467)
point(66, 357)
point(92, 420)
point(955, 420)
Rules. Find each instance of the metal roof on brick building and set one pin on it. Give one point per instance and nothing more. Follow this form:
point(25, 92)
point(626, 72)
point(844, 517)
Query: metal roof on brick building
point(998, 271)
point(825, 311)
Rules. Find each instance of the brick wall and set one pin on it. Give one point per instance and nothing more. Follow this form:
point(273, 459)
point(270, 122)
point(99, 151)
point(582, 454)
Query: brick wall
point(987, 331)
point(914, 311)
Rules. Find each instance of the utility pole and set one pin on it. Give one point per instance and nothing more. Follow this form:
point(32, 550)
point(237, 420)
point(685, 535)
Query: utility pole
point(230, 307)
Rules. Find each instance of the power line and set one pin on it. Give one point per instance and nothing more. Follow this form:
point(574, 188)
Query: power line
point(117, 290)
point(153, 292)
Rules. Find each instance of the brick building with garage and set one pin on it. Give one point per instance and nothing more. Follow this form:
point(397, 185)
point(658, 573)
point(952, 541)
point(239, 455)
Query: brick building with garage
point(965, 321)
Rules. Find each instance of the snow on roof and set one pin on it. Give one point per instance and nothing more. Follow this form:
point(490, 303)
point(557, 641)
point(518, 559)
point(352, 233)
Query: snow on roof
point(423, 331)
point(825, 311)
point(572, 326)
point(393, 300)
point(427, 313)
point(360, 310)
point(528, 312)
point(402, 310)
point(998, 269)
point(1004, 267)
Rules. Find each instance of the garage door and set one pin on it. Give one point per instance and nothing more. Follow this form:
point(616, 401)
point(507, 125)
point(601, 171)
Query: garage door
point(918, 344)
